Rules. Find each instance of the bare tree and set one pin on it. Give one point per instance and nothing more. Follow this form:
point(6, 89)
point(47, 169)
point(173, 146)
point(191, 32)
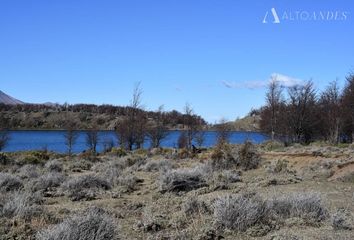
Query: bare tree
point(200, 138)
point(141, 128)
point(223, 131)
point(330, 112)
point(108, 144)
point(157, 131)
point(274, 100)
point(4, 134)
point(70, 126)
point(92, 139)
point(70, 136)
point(192, 124)
point(347, 104)
point(122, 133)
point(131, 129)
point(4, 139)
point(302, 111)
point(182, 141)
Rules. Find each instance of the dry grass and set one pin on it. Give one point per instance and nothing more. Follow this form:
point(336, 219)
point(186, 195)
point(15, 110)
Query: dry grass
point(91, 224)
point(21, 205)
point(149, 198)
point(84, 187)
point(9, 182)
point(182, 179)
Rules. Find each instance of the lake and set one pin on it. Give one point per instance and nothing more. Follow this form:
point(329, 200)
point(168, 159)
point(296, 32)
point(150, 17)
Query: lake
point(54, 140)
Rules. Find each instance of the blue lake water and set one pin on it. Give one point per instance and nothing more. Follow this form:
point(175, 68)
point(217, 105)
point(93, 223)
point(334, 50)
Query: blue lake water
point(54, 140)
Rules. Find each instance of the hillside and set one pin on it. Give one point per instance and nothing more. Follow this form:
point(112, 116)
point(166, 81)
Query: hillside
point(248, 123)
point(80, 116)
point(6, 99)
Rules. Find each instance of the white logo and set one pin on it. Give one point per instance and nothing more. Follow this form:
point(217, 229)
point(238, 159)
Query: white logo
point(303, 15)
point(275, 15)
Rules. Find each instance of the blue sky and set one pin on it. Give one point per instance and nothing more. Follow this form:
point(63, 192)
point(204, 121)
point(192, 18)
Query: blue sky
point(215, 54)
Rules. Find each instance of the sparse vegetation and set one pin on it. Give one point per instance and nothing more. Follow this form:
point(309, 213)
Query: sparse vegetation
point(47, 181)
point(28, 171)
point(21, 205)
point(129, 181)
point(182, 179)
point(193, 205)
point(54, 166)
point(308, 206)
point(80, 164)
point(157, 165)
point(34, 157)
point(342, 219)
point(111, 171)
point(151, 221)
point(240, 212)
point(84, 187)
point(225, 178)
point(151, 197)
point(92, 224)
point(9, 182)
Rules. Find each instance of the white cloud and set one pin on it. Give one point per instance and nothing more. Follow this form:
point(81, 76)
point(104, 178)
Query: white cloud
point(283, 80)
point(246, 84)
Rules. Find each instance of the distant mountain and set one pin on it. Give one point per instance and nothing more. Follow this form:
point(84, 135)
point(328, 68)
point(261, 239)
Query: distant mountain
point(6, 99)
point(50, 104)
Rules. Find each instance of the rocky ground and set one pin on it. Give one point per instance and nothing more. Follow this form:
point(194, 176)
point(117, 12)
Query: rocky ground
point(229, 192)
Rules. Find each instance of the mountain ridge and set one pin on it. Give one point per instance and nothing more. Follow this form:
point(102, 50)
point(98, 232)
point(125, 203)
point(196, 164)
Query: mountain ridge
point(7, 99)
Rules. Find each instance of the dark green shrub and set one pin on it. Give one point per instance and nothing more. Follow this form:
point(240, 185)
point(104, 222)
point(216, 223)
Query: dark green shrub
point(223, 156)
point(141, 151)
point(4, 159)
point(34, 157)
point(248, 156)
point(120, 152)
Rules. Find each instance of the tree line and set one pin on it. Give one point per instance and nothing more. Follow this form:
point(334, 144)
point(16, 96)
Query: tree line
point(302, 114)
point(133, 124)
point(54, 116)
point(134, 128)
